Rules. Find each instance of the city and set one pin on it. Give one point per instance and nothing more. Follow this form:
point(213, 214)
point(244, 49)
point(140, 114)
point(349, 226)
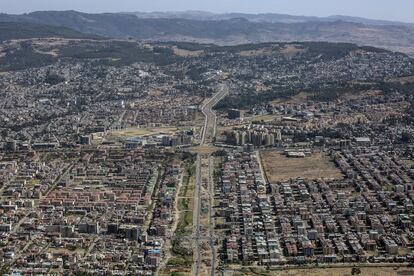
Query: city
point(121, 156)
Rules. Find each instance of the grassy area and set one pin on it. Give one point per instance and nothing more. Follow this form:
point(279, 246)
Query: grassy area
point(255, 53)
point(188, 182)
point(32, 182)
point(178, 261)
point(183, 256)
point(184, 189)
point(181, 250)
point(408, 162)
point(185, 223)
point(183, 203)
point(130, 132)
point(204, 149)
point(150, 207)
point(388, 187)
point(343, 271)
point(187, 53)
point(278, 167)
point(170, 272)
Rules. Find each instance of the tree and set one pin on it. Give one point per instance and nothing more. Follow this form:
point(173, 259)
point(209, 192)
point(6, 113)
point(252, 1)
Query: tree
point(218, 153)
point(356, 271)
point(53, 79)
point(406, 137)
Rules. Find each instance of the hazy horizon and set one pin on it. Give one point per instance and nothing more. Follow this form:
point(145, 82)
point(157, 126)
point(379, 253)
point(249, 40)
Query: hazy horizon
point(398, 10)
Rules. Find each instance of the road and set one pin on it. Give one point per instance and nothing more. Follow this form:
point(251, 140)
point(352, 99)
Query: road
point(260, 162)
point(209, 130)
point(208, 135)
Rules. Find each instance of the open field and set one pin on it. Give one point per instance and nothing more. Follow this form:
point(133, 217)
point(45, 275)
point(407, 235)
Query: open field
point(291, 50)
point(299, 98)
point(261, 118)
point(175, 272)
point(408, 162)
point(203, 149)
point(279, 167)
point(267, 51)
point(136, 132)
point(187, 53)
point(365, 271)
point(186, 202)
point(407, 79)
point(303, 96)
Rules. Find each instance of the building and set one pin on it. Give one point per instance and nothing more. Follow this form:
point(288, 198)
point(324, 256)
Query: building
point(85, 140)
point(366, 141)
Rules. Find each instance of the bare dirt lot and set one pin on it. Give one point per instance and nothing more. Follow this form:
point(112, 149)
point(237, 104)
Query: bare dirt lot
point(408, 162)
point(187, 53)
point(278, 167)
point(203, 149)
point(136, 132)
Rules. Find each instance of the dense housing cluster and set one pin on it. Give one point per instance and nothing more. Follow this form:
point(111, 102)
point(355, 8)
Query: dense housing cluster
point(364, 214)
point(112, 160)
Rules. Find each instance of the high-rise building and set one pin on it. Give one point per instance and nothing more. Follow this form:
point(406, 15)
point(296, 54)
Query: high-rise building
point(175, 141)
point(166, 141)
point(272, 139)
point(269, 140)
point(278, 135)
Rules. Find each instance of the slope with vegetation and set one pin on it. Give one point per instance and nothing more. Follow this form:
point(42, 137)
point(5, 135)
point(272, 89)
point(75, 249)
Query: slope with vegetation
point(233, 29)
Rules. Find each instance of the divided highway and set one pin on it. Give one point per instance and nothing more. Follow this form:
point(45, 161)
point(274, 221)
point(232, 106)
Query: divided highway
point(209, 132)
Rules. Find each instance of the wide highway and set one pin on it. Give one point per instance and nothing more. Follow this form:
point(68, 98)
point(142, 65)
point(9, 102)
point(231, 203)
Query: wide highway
point(209, 132)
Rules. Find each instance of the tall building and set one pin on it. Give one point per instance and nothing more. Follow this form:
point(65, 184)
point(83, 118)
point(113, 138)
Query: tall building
point(278, 135)
point(166, 141)
point(257, 139)
point(269, 140)
point(236, 138)
point(272, 139)
point(175, 141)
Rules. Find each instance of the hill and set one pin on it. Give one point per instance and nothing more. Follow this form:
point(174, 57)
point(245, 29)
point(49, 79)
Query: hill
point(21, 30)
point(228, 30)
point(265, 17)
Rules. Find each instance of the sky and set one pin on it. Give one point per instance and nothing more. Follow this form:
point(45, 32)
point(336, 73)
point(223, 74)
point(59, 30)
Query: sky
point(398, 10)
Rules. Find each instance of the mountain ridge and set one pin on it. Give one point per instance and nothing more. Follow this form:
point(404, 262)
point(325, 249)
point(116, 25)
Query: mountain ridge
point(22, 30)
point(231, 31)
point(266, 17)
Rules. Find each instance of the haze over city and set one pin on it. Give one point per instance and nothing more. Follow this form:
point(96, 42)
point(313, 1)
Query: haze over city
point(399, 10)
